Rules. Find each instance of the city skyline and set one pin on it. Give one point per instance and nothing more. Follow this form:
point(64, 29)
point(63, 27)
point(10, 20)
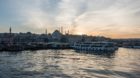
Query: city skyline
point(115, 19)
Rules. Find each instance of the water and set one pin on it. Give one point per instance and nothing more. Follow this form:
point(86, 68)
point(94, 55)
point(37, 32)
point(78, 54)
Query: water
point(124, 63)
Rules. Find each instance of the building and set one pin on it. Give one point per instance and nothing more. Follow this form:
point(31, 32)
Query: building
point(56, 35)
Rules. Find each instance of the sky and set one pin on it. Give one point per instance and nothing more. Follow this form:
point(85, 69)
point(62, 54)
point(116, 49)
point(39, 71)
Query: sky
point(110, 18)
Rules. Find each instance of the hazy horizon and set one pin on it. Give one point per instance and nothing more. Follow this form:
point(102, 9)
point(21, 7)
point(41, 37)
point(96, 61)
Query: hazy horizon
point(109, 18)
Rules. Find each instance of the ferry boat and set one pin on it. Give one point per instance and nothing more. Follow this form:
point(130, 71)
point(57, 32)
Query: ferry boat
point(95, 46)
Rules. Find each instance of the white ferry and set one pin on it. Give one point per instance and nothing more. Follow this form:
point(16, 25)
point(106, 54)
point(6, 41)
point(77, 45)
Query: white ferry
point(95, 46)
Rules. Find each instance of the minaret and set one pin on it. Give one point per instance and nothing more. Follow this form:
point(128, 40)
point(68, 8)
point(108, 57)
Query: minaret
point(46, 32)
point(68, 32)
point(61, 30)
point(10, 30)
point(10, 36)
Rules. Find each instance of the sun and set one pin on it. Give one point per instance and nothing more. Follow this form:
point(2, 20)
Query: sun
point(79, 33)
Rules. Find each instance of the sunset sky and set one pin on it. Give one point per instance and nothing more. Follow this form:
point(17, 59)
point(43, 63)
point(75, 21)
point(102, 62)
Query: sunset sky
point(110, 18)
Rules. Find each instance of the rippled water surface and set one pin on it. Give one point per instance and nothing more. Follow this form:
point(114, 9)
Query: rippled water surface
point(124, 63)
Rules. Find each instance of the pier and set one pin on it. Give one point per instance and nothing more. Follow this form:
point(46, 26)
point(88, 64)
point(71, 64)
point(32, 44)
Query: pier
point(34, 46)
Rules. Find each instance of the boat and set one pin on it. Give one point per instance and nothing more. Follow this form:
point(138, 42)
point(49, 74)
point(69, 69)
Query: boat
point(133, 47)
point(95, 46)
point(136, 47)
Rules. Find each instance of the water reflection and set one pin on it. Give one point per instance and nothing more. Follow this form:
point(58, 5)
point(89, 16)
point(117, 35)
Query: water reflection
point(123, 63)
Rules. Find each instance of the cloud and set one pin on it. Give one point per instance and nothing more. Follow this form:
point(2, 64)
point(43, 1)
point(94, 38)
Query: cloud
point(96, 17)
point(121, 16)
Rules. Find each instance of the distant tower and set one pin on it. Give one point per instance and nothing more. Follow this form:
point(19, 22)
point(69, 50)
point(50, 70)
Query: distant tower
point(10, 30)
point(46, 32)
point(68, 32)
point(61, 30)
point(10, 36)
